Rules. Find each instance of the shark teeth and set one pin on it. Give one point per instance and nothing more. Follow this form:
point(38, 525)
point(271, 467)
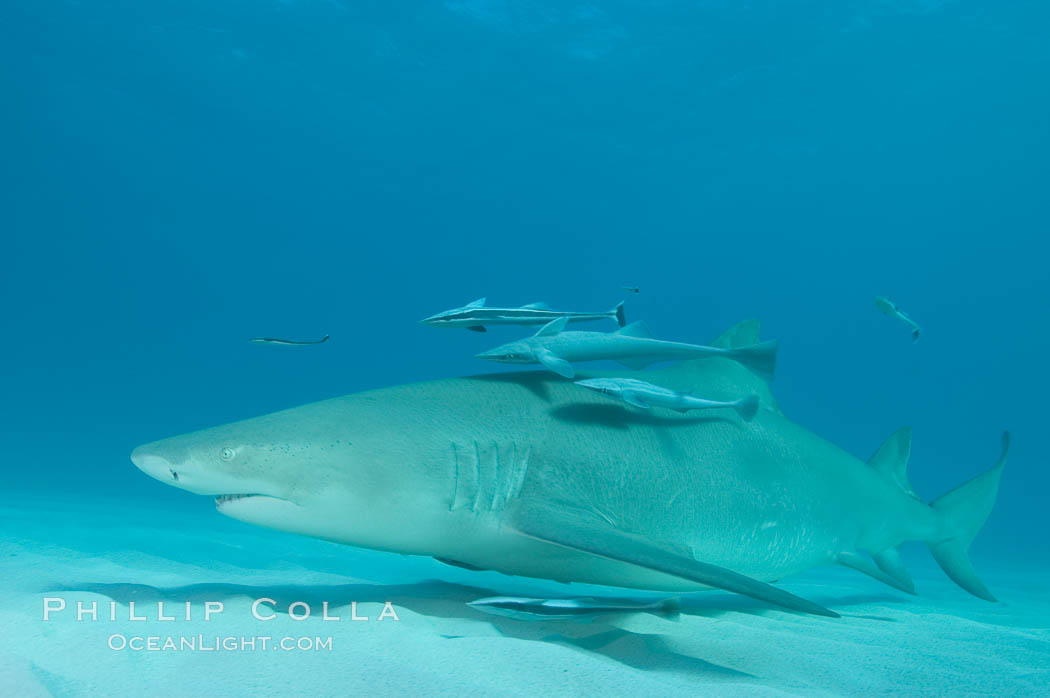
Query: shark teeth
point(223, 498)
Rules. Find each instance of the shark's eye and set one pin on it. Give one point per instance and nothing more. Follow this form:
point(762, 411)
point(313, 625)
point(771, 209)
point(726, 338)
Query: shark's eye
point(227, 454)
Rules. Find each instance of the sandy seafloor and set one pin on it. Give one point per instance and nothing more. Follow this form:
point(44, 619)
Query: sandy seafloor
point(82, 549)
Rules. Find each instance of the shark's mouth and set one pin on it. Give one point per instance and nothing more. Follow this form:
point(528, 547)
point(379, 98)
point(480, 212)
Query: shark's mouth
point(224, 498)
point(257, 508)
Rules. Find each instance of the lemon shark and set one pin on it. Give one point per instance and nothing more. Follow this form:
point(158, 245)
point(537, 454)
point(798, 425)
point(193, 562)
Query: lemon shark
point(527, 474)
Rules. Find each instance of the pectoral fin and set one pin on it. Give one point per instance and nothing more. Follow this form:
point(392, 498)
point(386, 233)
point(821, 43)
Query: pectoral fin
point(636, 362)
point(477, 328)
point(577, 530)
point(554, 363)
point(632, 399)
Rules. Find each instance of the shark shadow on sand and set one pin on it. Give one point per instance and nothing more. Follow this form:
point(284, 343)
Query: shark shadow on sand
point(599, 634)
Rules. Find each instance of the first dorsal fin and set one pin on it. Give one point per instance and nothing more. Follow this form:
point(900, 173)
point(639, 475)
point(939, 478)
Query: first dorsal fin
point(553, 327)
point(635, 329)
point(479, 303)
point(741, 334)
point(537, 306)
point(892, 459)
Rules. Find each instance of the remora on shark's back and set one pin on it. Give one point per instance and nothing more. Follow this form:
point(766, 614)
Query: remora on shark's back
point(633, 346)
point(474, 316)
point(646, 395)
point(529, 475)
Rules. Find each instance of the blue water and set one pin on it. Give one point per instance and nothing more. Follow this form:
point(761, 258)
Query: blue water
point(177, 177)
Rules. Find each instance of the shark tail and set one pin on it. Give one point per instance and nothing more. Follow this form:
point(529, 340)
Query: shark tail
point(760, 358)
point(617, 312)
point(963, 512)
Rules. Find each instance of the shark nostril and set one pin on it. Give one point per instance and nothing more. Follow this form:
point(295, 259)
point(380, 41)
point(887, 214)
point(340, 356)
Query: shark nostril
point(174, 475)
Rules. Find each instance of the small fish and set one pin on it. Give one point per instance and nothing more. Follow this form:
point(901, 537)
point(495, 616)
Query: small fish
point(888, 307)
point(474, 316)
point(631, 346)
point(289, 342)
point(522, 608)
point(645, 395)
point(632, 289)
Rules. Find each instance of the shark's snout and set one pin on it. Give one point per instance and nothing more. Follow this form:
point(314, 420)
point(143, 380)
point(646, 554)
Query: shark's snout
point(178, 467)
point(154, 465)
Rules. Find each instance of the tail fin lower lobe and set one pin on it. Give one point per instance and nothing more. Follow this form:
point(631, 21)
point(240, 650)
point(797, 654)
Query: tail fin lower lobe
point(963, 512)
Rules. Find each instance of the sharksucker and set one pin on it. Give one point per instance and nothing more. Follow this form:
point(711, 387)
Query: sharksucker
point(580, 608)
point(287, 342)
point(475, 316)
point(632, 346)
point(646, 395)
point(888, 307)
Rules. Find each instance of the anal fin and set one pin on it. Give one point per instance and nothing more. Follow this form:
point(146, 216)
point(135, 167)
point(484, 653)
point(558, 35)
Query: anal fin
point(889, 561)
point(863, 564)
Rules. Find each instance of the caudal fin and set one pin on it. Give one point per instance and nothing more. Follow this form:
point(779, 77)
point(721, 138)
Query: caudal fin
point(621, 318)
point(963, 512)
point(760, 358)
point(747, 407)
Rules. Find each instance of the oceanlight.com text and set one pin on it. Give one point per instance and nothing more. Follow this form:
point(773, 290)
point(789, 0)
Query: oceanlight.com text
point(217, 643)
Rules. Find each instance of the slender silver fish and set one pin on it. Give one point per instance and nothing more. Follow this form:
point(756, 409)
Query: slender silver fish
point(890, 308)
point(289, 342)
point(645, 395)
point(474, 316)
point(523, 608)
point(631, 346)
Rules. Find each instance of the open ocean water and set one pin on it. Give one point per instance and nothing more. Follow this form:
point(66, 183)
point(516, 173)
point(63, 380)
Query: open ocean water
point(179, 177)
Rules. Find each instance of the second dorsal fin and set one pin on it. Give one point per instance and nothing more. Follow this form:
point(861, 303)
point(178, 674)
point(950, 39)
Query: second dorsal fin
point(892, 459)
point(741, 334)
